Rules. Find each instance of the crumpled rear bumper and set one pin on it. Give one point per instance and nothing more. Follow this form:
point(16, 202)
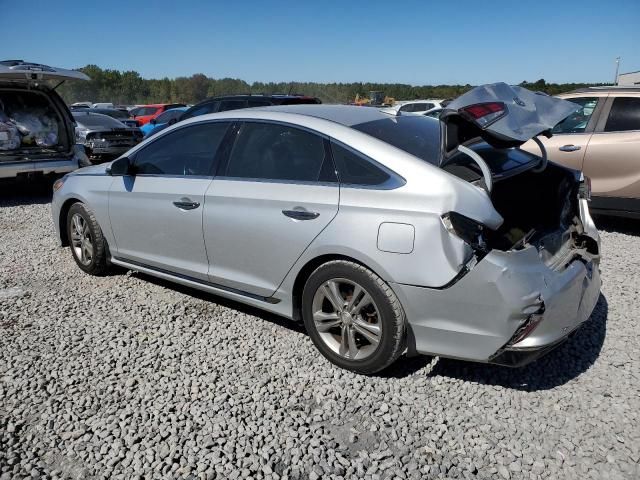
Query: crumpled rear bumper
point(483, 316)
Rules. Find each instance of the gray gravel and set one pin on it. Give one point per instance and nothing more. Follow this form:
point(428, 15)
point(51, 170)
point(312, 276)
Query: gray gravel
point(129, 377)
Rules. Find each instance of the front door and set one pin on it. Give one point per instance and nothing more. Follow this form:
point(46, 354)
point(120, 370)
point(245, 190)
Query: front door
point(156, 213)
point(570, 137)
point(275, 193)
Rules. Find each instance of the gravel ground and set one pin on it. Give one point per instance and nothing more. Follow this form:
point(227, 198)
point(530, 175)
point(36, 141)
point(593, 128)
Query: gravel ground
point(130, 377)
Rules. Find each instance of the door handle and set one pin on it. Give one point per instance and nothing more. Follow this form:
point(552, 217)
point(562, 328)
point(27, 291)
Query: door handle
point(569, 148)
point(300, 214)
point(186, 204)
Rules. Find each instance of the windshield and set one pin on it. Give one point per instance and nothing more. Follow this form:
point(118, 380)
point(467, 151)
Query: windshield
point(96, 120)
point(417, 135)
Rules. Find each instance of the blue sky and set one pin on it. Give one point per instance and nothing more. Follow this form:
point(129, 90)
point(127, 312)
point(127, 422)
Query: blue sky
point(415, 42)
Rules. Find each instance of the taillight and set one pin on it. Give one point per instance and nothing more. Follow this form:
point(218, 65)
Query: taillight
point(484, 114)
point(465, 228)
point(584, 191)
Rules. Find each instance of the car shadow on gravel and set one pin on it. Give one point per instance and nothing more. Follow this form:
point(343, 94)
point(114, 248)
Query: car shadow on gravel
point(627, 226)
point(556, 368)
point(15, 193)
point(568, 361)
point(224, 302)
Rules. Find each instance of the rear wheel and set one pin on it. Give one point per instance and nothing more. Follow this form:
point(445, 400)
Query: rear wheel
point(353, 317)
point(86, 241)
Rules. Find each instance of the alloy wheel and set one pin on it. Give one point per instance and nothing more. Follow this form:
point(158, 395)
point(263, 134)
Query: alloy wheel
point(347, 319)
point(81, 240)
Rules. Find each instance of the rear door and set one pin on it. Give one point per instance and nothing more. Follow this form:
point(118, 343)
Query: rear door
point(571, 137)
point(274, 194)
point(613, 155)
point(156, 214)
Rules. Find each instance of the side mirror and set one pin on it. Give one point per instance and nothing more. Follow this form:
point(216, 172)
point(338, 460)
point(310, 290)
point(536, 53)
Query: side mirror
point(120, 167)
point(153, 121)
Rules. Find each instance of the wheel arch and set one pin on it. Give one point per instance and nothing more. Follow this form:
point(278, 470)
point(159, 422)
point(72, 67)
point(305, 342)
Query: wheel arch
point(305, 272)
point(62, 219)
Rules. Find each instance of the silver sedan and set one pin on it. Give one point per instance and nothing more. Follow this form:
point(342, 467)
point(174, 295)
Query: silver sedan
point(385, 233)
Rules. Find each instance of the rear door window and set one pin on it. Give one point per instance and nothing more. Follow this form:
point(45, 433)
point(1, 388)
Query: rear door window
point(276, 152)
point(624, 115)
point(577, 122)
point(187, 151)
point(355, 169)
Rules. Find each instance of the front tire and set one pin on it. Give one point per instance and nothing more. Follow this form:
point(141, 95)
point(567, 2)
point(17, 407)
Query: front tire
point(88, 246)
point(353, 317)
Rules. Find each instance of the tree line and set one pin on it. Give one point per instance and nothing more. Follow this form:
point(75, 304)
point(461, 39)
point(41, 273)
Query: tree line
point(129, 88)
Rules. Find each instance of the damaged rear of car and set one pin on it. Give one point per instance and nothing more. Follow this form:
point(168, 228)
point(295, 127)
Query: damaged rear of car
point(532, 279)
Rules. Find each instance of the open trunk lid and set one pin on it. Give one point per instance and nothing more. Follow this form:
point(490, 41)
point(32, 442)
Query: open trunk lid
point(503, 117)
point(26, 71)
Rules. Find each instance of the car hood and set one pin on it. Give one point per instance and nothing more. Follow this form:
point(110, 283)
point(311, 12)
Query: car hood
point(528, 113)
point(19, 70)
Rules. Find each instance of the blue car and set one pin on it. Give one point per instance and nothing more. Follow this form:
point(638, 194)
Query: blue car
point(162, 121)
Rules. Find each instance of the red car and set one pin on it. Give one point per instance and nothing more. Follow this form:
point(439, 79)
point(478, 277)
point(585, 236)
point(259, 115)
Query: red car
point(145, 113)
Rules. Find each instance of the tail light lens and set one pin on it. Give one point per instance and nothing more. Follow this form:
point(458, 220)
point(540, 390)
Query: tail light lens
point(466, 229)
point(484, 114)
point(584, 191)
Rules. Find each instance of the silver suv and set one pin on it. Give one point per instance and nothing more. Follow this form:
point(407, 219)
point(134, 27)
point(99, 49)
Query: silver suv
point(37, 134)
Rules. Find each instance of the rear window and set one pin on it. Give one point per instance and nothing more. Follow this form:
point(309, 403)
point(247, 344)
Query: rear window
point(164, 117)
point(500, 161)
point(299, 101)
point(419, 136)
point(97, 120)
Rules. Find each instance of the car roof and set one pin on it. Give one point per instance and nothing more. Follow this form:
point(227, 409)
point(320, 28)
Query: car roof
point(607, 89)
point(348, 115)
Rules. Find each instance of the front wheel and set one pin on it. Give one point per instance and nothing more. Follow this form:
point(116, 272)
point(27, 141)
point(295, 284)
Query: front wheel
point(87, 243)
point(353, 317)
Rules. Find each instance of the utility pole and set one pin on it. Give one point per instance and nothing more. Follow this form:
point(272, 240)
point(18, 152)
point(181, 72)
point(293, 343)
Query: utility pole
point(615, 79)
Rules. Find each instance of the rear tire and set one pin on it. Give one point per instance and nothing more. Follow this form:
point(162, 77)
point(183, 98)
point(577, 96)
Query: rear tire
point(353, 317)
point(88, 245)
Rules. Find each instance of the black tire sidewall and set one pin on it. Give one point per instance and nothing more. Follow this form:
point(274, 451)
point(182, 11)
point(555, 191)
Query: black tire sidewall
point(96, 266)
point(387, 347)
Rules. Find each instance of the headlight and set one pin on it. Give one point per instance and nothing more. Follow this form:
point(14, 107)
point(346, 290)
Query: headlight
point(470, 231)
point(81, 133)
point(57, 185)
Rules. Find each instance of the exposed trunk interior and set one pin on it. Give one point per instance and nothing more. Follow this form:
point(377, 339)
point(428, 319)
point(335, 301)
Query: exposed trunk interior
point(30, 126)
point(538, 208)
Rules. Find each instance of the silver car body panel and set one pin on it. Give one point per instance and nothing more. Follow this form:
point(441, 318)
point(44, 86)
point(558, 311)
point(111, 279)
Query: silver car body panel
point(252, 253)
point(251, 243)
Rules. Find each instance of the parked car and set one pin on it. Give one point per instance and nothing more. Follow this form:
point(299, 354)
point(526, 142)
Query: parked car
point(382, 238)
point(117, 114)
point(80, 105)
point(165, 119)
point(434, 113)
point(36, 127)
point(234, 102)
point(102, 105)
point(103, 136)
point(603, 140)
point(416, 106)
point(144, 113)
